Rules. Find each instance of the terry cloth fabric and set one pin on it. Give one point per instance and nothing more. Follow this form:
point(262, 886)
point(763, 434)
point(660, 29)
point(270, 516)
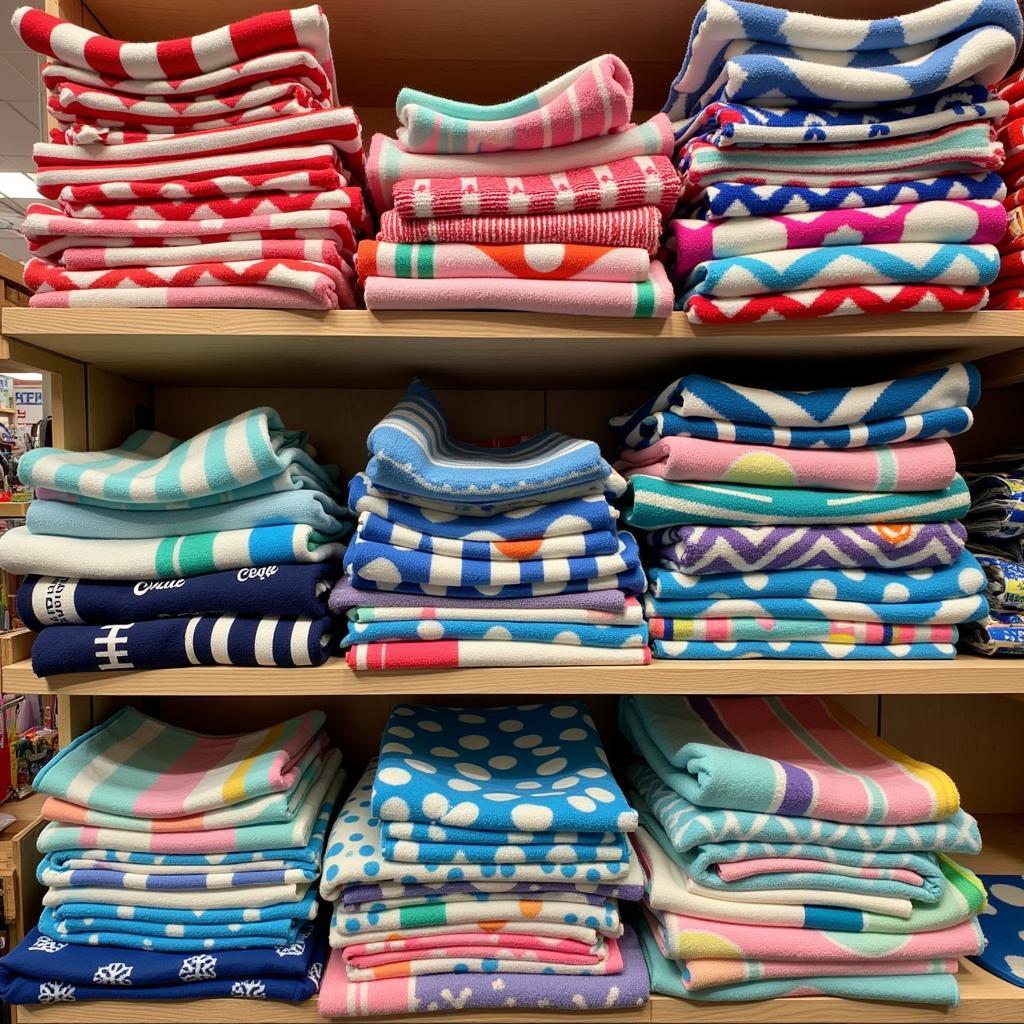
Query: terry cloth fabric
point(25, 553)
point(1005, 582)
point(738, 124)
point(637, 228)
point(738, 48)
point(224, 296)
point(310, 250)
point(977, 222)
point(696, 396)
point(500, 736)
point(651, 298)
point(593, 99)
point(466, 991)
point(439, 629)
point(151, 468)
point(997, 505)
point(964, 578)
point(632, 614)
point(1002, 925)
point(914, 466)
point(803, 651)
point(787, 755)
point(388, 163)
point(416, 852)
point(655, 503)
point(668, 977)
point(773, 630)
point(179, 643)
point(412, 451)
point(547, 262)
point(395, 893)
point(41, 970)
point(617, 185)
point(727, 549)
point(786, 270)
point(289, 590)
point(997, 633)
point(737, 199)
point(135, 765)
point(430, 654)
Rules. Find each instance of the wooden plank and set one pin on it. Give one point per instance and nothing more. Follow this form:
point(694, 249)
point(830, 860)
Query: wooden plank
point(16, 645)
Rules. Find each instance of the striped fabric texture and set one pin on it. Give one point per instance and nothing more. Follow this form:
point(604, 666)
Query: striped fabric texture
point(777, 630)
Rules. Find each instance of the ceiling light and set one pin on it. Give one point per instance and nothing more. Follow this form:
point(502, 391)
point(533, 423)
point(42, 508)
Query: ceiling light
point(15, 185)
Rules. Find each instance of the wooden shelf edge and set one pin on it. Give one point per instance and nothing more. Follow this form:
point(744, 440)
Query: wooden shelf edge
point(965, 674)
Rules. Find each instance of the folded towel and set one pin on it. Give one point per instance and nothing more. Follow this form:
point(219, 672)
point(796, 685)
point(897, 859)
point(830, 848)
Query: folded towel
point(787, 755)
point(722, 632)
point(951, 221)
point(997, 633)
point(722, 549)
point(431, 654)
point(508, 630)
point(651, 298)
point(593, 99)
point(964, 577)
point(632, 614)
point(178, 643)
point(285, 590)
point(809, 651)
point(630, 989)
point(914, 466)
point(251, 896)
point(99, 258)
point(541, 262)
point(997, 505)
point(637, 228)
point(455, 835)
point(959, 40)
point(617, 185)
point(388, 162)
point(223, 296)
point(736, 199)
point(416, 852)
point(1001, 926)
point(423, 947)
point(1005, 582)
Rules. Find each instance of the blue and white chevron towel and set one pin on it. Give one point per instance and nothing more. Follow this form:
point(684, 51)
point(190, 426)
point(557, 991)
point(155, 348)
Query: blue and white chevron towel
point(923, 405)
point(748, 52)
point(413, 453)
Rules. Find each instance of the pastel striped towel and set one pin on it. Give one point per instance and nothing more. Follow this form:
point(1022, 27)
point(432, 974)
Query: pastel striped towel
point(412, 451)
point(593, 99)
point(631, 614)
point(152, 468)
point(784, 632)
point(913, 466)
point(435, 654)
point(135, 765)
point(746, 49)
point(789, 650)
point(440, 629)
point(397, 893)
point(786, 755)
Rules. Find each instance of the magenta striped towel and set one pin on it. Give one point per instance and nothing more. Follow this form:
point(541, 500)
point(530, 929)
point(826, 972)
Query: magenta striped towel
point(639, 228)
point(289, 160)
point(619, 185)
point(651, 298)
point(218, 297)
point(49, 232)
point(310, 251)
point(593, 99)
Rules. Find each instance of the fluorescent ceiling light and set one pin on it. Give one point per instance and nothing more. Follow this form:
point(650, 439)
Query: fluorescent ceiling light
point(16, 185)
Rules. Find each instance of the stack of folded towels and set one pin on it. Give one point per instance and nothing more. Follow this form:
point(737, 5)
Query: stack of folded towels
point(552, 202)
point(180, 866)
point(1008, 290)
point(835, 166)
point(214, 170)
point(165, 553)
point(789, 852)
point(479, 864)
point(474, 556)
point(785, 524)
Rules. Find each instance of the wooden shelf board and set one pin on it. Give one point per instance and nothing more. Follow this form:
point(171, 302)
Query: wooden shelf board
point(358, 348)
point(965, 674)
point(13, 509)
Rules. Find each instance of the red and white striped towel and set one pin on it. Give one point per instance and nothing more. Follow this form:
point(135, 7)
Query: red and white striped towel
point(299, 66)
point(311, 251)
point(219, 297)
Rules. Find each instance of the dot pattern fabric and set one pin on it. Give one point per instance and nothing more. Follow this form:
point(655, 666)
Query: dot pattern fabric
point(1002, 922)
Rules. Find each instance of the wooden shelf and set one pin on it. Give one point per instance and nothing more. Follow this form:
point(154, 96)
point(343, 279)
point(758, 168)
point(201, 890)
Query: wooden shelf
point(965, 674)
point(357, 348)
point(13, 509)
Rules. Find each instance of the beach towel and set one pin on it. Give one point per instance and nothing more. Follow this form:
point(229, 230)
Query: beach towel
point(803, 651)
point(462, 991)
point(997, 505)
point(963, 578)
point(1001, 925)
point(631, 615)
point(864, 61)
point(1005, 582)
point(546, 262)
point(616, 185)
point(950, 221)
point(178, 643)
point(593, 99)
point(654, 503)
point(388, 163)
point(435, 654)
point(636, 228)
point(505, 631)
point(101, 257)
point(737, 199)
point(669, 977)
point(773, 630)
point(701, 550)
point(787, 755)
point(272, 590)
point(417, 852)
point(914, 466)
point(217, 297)
point(452, 835)
point(424, 956)
point(251, 896)
point(505, 734)
point(998, 633)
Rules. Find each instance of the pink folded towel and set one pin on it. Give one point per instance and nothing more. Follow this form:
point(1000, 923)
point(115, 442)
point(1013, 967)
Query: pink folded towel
point(639, 228)
point(912, 466)
point(388, 163)
point(100, 258)
point(218, 297)
point(545, 262)
point(652, 298)
point(733, 871)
